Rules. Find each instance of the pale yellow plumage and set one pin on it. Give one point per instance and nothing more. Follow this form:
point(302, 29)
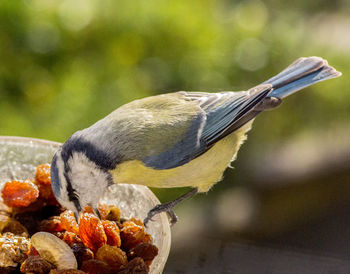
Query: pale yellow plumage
point(202, 172)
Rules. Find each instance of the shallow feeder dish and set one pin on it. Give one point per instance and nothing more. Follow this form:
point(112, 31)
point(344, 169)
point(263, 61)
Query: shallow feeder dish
point(19, 157)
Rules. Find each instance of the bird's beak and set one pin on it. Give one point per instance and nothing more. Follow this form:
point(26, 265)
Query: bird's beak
point(97, 212)
point(77, 216)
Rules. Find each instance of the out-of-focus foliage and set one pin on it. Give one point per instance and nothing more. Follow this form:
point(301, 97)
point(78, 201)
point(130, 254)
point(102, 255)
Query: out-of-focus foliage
point(66, 64)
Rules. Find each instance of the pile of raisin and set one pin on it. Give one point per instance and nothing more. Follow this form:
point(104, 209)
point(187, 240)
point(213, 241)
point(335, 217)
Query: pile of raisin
point(106, 245)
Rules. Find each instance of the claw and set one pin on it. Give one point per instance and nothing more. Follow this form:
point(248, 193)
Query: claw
point(150, 216)
point(168, 207)
point(173, 217)
point(97, 212)
point(146, 220)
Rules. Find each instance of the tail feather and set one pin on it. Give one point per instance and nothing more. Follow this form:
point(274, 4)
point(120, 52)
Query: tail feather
point(302, 73)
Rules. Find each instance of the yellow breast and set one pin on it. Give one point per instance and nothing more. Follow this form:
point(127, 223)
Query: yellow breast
point(202, 172)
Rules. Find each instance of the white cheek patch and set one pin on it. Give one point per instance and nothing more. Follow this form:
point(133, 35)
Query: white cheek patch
point(87, 179)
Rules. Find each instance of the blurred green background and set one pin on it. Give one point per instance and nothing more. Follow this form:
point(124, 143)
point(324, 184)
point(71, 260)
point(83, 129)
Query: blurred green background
point(66, 64)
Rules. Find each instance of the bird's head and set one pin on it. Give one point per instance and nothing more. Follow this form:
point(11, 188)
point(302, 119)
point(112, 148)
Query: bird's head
point(78, 181)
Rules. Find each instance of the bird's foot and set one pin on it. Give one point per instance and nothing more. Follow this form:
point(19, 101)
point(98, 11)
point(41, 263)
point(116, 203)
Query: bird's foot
point(167, 207)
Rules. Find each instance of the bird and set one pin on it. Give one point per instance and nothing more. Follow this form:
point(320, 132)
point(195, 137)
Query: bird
point(179, 139)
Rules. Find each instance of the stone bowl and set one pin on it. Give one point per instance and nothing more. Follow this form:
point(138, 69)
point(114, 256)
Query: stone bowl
point(19, 157)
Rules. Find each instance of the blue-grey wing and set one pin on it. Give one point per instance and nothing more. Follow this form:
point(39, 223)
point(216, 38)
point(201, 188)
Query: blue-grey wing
point(220, 114)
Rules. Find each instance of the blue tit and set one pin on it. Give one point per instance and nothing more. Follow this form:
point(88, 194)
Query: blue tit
point(180, 139)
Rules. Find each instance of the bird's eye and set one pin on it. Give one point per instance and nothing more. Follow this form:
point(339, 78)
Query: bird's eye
point(73, 195)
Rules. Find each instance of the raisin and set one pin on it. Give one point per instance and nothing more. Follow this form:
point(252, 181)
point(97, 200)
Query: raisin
point(42, 174)
point(8, 269)
point(70, 238)
point(46, 193)
point(19, 193)
point(91, 232)
point(146, 251)
point(4, 221)
point(112, 255)
point(4, 209)
point(43, 182)
point(103, 209)
point(147, 239)
point(59, 234)
point(16, 228)
point(136, 265)
point(66, 271)
point(36, 264)
point(88, 209)
point(132, 234)
point(53, 224)
point(137, 221)
point(29, 220)
point(69, 222)
point(113, 214)
point(109, 212)
point(13, 249)
point(95, 266)
point(112, 233)
point(81, 253)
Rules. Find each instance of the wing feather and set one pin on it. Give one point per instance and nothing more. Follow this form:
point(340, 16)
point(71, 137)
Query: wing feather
point(219, 115)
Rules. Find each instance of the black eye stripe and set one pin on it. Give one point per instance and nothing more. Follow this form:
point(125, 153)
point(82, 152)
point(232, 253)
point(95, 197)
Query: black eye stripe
point(72, 193)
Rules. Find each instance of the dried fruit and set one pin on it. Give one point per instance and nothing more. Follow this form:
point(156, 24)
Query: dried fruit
point(19, 193)
point(54, 250)
point(66, 271)
point(147, 239)
point(136, 221)
point(29, 220)
point(69, 222)
point(8, 270)
point(146, 251)
point(91, 231)
point(96, 246)
point(46, 193)
point(42, 174)
point(132, 234)
point(88, 209)
point(82, 253)
point(109, 212)
point(53, 224)
point(13, 226)
point(112, 233)
point(4, 220)
point(70, 238)
point(36, 264)
point(136, 265)
point(43, 182)
point(4, 209)
point(112, 255)
point(103, 209)
point(95, 266)
point(13, 249)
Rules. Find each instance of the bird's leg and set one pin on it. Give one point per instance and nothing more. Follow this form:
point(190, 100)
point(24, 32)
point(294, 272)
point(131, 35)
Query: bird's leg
point(168, 207)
